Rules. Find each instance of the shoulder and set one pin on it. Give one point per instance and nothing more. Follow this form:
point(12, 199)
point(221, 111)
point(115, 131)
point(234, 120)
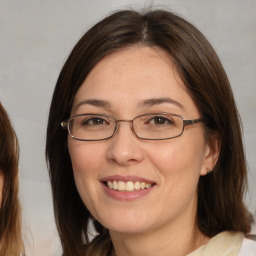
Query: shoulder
point(224, 243)
point(248, 247)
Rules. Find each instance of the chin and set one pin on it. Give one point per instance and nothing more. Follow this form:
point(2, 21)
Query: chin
point(127, 229)
point(126, 223)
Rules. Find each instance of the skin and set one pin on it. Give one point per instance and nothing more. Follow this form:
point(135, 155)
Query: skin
point(1, 185)
point(164, 220)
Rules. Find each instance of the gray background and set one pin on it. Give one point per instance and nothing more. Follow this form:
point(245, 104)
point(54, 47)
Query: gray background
point(35, 39)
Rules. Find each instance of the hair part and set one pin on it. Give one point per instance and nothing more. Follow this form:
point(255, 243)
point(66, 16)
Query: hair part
point(220, 194)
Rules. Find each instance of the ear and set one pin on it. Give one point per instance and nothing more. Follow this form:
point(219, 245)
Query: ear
point(211, 155)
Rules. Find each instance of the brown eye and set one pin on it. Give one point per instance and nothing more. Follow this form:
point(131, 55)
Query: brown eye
point(160, 120)
point(94, 121)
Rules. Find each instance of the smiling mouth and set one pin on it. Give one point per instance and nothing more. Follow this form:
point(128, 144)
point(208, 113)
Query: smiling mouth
point(128, 186)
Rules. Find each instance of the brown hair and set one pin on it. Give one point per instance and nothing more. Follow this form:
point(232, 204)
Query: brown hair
point(10, 211)
point(220, 194)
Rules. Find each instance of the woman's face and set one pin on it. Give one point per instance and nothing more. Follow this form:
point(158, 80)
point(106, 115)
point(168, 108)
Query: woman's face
point(131, 82)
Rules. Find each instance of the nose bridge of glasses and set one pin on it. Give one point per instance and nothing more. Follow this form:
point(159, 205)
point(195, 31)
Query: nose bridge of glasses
point(125, 121)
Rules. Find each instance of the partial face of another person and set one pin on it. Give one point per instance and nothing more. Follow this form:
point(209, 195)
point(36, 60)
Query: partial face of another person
point(1, 185)
point(132, 82)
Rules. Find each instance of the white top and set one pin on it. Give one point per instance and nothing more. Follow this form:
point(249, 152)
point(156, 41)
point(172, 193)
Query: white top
point(227, 244)
point(248, 248)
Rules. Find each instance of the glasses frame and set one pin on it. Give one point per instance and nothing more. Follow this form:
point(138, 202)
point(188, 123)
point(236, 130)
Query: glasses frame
point(186, 122)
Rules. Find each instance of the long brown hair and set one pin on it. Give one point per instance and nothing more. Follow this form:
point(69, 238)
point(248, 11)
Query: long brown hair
point(11, 243)
point(220, 194)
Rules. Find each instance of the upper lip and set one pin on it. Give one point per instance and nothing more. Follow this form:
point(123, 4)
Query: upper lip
point(126, 179)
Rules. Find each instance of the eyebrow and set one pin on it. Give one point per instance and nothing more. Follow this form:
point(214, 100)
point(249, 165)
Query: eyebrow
point(158, 101)
point(144, 103)
point(94, 102)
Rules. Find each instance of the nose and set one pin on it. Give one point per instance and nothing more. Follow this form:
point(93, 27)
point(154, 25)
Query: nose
point(125, 148)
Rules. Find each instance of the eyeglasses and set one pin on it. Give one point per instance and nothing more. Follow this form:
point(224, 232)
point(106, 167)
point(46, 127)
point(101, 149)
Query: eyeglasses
point(156, 126)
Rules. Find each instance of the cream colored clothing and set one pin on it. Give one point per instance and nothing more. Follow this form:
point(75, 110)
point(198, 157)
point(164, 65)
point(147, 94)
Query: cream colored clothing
point(223, 244)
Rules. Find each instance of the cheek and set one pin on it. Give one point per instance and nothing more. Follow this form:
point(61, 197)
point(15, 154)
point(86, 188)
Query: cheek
point(178, 167)
point(168, 159)
point(85, 157)
point(178, 158)
point(86, 161)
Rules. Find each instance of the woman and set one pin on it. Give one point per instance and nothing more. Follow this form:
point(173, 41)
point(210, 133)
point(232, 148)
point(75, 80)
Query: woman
point(10, 212)
point(154, 155)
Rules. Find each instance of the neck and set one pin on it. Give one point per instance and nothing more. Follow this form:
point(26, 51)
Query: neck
point(179, 239)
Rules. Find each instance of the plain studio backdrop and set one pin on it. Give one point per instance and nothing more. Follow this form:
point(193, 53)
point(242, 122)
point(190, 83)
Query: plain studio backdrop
point(36, 38)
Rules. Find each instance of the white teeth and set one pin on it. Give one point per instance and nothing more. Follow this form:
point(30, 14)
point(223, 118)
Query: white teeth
point(120, 185)
point(148, 185)
point(110, 185)
point(142, 185)
point(137, 185)
point(115, 187)
point(127, 186)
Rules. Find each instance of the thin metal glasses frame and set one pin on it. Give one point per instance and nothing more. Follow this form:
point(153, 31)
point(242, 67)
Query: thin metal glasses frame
point(65, 125)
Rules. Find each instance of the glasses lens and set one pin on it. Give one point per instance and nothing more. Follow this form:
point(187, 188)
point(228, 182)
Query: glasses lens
point(158, 126)
point(91, 127)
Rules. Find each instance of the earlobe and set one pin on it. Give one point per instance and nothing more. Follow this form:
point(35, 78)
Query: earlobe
point(208, 171)
point(211, 156)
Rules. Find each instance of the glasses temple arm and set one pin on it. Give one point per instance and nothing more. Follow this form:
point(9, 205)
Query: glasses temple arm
point(194, 121)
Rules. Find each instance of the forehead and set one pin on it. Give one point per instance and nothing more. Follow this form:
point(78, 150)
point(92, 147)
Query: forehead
point(133, 74)
point(135, 63)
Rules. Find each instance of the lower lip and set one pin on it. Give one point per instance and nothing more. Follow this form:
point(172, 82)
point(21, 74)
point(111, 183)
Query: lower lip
point(126, 195)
